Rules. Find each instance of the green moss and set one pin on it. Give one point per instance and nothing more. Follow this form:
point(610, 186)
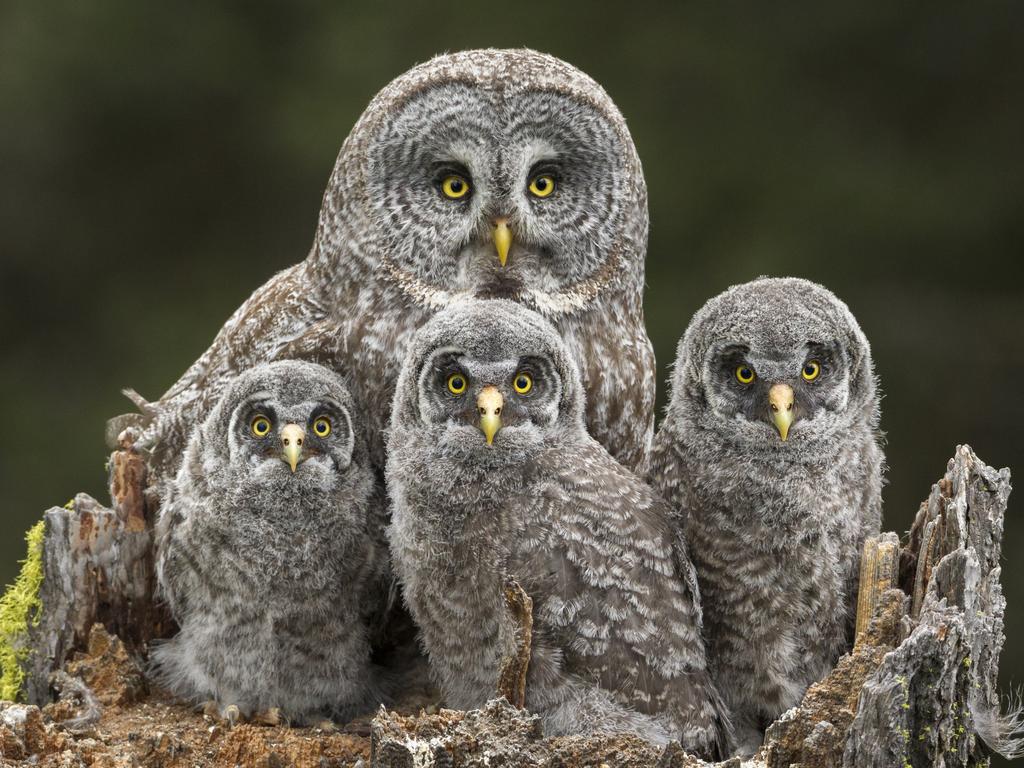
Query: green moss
point(18, 607)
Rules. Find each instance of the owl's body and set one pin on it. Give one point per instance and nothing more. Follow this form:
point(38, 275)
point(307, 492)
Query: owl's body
point(550, 211)
point(616, 615)
point(775, 504)
point(274, 571)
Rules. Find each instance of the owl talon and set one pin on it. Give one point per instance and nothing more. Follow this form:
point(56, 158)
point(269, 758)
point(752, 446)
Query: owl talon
point(327, 726)
point(232, 715)
point(269, 717)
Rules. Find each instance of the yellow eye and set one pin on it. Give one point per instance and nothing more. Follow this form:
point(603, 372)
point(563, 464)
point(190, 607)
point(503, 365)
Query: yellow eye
point(322, 427)
point(745, 374)
point(457, 384)
point(542, 185)
point(260, 426)
point(522, 383)
point(811, 371)
point(455, 187)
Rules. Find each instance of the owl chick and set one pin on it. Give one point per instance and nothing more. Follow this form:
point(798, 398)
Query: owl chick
point(771, 451)
point(271, 551)
point(488, 173)
point(492, 476)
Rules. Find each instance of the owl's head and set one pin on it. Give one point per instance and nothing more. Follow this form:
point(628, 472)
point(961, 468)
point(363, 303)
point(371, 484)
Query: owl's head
point(776, 365)
point(497, 174)
point(488, 380)
point(285, 426)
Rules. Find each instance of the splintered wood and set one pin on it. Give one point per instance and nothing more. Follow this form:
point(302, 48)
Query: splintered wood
point(879, 569)
point(512, 679)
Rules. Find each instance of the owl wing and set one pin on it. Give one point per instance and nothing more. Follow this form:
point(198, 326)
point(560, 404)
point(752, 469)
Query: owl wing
point(276, 314)
point(608, 592)
point(616, 363)
point(198, 559)
point(176, 567)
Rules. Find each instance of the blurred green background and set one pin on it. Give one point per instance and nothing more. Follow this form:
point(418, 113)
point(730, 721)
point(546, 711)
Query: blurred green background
point(158, 162)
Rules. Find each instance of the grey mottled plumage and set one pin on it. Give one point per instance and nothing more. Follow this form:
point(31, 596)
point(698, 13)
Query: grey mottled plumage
point(775, 527)
point(272, 574)
point(391, 249)
point(616, 642)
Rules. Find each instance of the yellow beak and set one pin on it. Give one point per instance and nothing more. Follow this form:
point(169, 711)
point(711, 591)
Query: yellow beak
point(292, 437)
point(780, 397)
point(502, 239)
point(489, 403)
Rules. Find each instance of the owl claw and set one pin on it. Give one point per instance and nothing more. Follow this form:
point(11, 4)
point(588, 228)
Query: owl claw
point(270, 717)
point(230, 714)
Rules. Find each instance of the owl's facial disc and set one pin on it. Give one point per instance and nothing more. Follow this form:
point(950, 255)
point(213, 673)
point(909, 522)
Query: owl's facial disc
point(497, 193)
point(777, 391)
point(311, 440)
point(491, 409)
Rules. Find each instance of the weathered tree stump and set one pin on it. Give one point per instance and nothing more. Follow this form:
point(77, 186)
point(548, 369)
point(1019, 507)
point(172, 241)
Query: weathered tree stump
point(98, 567)
point(933, 697)
point(919, 687)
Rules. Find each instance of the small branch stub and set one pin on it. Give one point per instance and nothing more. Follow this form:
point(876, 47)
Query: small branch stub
point(512, 678)
point(127, 481)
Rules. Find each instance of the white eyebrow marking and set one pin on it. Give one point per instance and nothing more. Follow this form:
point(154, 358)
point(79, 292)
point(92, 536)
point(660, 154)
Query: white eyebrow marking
point(538, 150)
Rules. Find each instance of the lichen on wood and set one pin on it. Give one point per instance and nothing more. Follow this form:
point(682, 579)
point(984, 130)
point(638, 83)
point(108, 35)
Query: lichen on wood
point(19, 609)
point(934, 699)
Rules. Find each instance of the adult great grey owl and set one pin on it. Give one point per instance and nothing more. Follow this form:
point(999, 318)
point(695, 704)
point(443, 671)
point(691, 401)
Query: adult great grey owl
point(771, 451)
point(492, 475)
point(271, 551)
point(490, 173)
